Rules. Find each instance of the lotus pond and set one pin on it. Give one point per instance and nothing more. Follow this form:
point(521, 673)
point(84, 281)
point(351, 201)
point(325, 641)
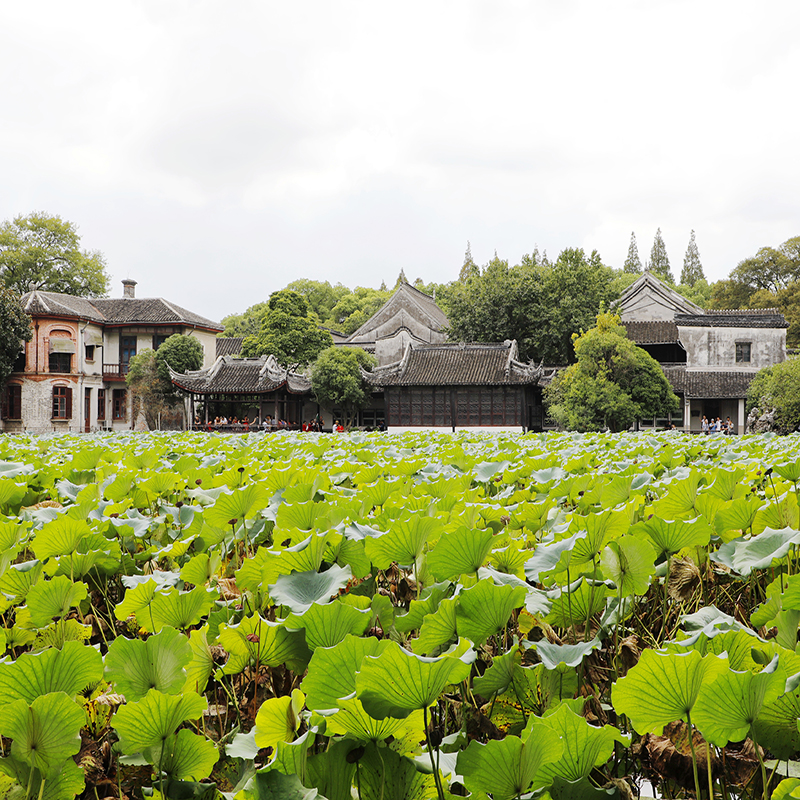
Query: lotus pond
point(399, 617)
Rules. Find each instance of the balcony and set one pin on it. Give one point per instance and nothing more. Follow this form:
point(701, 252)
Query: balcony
point(114, 372)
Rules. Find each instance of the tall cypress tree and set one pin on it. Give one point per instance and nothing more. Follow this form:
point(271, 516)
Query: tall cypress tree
point(469, 269)
point(659, 260)
point(633, 264)
point(692, 268)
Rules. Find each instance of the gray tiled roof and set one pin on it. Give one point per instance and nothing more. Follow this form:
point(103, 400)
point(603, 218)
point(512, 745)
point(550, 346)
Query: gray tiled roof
point(123, 310)
point(709, 385)
point(241, 376)
point(229, 346)
point(61, 305)
point(658, 332)
point(150, 310)
point(457, 365)
point(734, 318)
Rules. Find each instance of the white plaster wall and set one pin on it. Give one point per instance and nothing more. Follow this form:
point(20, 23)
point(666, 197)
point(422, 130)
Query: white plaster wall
point(715, 348)
point(37, 406)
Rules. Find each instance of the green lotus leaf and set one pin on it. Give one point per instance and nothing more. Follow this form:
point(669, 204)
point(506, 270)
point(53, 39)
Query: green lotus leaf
point(53, 598)
point(79, 565)
point(671, 537)
point(776, 725)
point(327, 625)
point(11, 494)
point(149, 721)
point(432, 596)
point(745, 555)
point(137, 597)
point(630, 563)
point(270, 784)
point(484, 609)
point(577, 602)
point(662, 688)
point(67, 670)
point(600, 530)
point(201, 666)
point(459, 552)
point(570, 655)
point(176, 609)
point(258, 641)
point(186, 756)
point(585, 746)
point(786, 789)
point(308, 516)
point(404, 543)
point(553, 557)
point(583, 789)
point(437, 629)
point(306, 556)
point(278, 719)
point(58, 633)
point(63, 784)
point(386, 775)
point(509, 767)
point(351, 719)
point(332, 670)
point(18, 579)
point(729, 705)
point(45, 732)
point(739, 515)
point(243, 746)
point(332, 773)
point(300, 590)
point(59, 537)
point(777, 514)
point(680, 499)
point(396, 682)
point(200, 568)
point(241, 504)
point(135, 666)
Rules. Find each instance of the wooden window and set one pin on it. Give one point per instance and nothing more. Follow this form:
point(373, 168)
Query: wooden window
point(120, 404)
point(62, 402)
point(60, 362)
point(159, 339)
point(742, 352)
point(12, 402)
point(101, 404)
point(19, 363)
point(90, 352)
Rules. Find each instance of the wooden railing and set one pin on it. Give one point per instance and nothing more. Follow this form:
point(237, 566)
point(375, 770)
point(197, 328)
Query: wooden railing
point(114, 372)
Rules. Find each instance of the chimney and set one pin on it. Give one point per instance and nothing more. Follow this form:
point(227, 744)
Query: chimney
point(128, 287)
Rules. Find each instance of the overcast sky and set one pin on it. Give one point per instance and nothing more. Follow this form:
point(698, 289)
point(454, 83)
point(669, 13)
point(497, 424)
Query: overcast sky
point(214, 151)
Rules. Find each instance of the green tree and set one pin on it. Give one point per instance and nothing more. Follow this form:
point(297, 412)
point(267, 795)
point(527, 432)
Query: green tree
point(699, 293)
point(288, 332)
point(248, 323)
point(181, 353)
point(775, 394)
point(15, 327)
point(770, 268)
point(321, 296)
point(469, 269)
point(148, 388)
point(43, 252)
point(659, 260)
point(356, 307)
point(337, 381)
point(633, 264)
point(692, 268)
point(612, 383)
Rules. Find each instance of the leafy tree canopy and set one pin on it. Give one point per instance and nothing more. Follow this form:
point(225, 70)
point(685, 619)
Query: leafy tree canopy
point(613, 382)
point(633, 263)
point(248, 323)
point(288, 331)
point(777, 389)
point(15, 327)
point(148, 387)
point(692, 268)
point(43, 252)
point(337, 381)
point(537, 303)
point(180, 352)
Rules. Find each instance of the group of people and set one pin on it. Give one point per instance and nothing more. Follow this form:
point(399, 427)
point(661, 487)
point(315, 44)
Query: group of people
point(716, 425)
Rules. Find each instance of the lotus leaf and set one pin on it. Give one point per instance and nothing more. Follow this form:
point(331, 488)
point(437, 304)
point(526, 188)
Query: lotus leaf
point(404, 543)
point(176, 609)
point(570, 655)
point(239, 505)
point(136, 666)
point(332, 670)
point(629, 562)
point(201, 666)
point(54, 598)
point(396, 682)
point(745, 555)
point(485, 609)
point(385, 775)
point(327, 625)
point(459, 552)
point(671, 537)
point(510, 767)
point(67, 670)
point(149, 721)
point(437, 629)
point(185, 756)
point(278, 719)
point(258, 641)
point(45, 732)
point(63, 784)
point(300, 590)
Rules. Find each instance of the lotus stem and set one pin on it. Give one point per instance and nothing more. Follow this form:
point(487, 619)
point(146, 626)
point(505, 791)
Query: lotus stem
point(439, 789)
point(764, 780)
point(710, 775)
point(694, 758)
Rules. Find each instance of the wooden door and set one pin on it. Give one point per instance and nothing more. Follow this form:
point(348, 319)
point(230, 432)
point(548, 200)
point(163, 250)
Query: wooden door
point(87, 410)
